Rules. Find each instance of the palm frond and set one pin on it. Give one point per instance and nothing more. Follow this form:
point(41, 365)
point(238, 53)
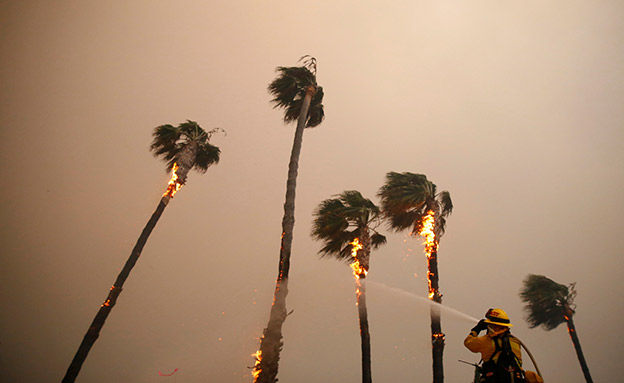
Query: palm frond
point(339, 220)
point(446, 205)
point(378, 240)
point(284, 89)
point(207, 155)
point(289, 89)
point(316, 114)
point(165, 139)
point(291, 111)
point(328, 220)
point(338, 246)
point(170, 141)
point(309, 62)
point(404, 191)
point(547, 302)
point(406, 198)
point(403, 220)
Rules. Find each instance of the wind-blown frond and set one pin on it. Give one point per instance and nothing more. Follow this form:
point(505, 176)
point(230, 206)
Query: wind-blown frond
point(378, 240)
point(207, 155)
point(289, 89)
point(547, 302)
point(316, 114)
point(446, 208)
point(404, 192)
point(165, 138)
point(446, 205)
point(170, 141)
point(339, 220)
point(328, 220)
point(407, 197)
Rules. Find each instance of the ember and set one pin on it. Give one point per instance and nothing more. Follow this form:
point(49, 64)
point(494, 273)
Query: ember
point(256, 369)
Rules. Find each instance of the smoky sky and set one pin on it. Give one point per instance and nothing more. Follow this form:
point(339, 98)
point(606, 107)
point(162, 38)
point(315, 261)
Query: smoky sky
point(515, 108)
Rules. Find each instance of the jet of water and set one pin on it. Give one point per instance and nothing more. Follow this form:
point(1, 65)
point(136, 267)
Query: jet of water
point(414, 297)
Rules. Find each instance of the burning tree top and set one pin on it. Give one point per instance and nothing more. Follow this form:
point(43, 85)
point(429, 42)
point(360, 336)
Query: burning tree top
point(186, 146)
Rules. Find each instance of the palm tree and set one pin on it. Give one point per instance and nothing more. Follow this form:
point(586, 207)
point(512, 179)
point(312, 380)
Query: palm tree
point(184, 147)
point(295, 90)
point(344, 224)
point(410, 201)
point(548, 304)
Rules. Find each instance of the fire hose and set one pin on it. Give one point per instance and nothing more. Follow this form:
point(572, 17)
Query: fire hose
point(525, 349)
point(530, 356)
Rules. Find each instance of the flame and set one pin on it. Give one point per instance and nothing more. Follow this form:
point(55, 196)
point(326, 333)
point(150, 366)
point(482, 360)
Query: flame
point(174, 185)
point(427, 231)
point(358, 270)
point(256, 369)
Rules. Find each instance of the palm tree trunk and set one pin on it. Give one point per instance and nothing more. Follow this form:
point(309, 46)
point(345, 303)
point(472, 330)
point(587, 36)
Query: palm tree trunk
point(437, 337)
point(363, 257)
point(186, 161)
point(98, 322)
point(364, 332)
point(271, 342)
point(579, 351)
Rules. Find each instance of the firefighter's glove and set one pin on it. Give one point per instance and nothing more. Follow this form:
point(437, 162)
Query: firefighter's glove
point(480, 326)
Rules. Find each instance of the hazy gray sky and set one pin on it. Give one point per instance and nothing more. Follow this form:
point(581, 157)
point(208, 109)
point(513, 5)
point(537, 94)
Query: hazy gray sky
point(515, 108)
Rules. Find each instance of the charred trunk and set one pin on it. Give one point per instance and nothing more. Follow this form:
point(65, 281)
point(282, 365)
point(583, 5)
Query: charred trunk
point(363, 258)
point(98, 322)
point(437, 337)
point(579, 351)
point(364, 332)
point(271, 342)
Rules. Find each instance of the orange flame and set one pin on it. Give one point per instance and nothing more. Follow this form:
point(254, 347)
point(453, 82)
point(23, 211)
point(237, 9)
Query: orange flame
point(256, 369)
point(358, 270)
point(427, 231)
point(174, 185)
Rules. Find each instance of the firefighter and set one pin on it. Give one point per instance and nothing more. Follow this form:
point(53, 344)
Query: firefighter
point(500, 351)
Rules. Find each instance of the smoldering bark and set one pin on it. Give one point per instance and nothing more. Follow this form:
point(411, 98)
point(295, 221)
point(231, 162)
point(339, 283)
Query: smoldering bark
point(579, 351)
point(100, 318)
point(364, 331)
point(363, 258)
point(271, 342)
point(437, 337)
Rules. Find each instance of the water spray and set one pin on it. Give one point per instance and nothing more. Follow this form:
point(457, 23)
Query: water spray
point(413, 296)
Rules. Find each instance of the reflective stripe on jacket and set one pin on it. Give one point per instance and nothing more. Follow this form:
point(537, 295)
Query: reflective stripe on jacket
point(485, 345)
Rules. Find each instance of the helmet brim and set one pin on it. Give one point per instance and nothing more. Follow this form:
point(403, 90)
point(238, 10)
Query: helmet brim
point(499, 323)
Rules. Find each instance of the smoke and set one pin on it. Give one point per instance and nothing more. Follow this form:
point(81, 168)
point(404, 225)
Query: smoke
point(419, 299)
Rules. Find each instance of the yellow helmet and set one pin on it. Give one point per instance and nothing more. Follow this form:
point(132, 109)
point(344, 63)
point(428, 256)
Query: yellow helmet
point(497, 317)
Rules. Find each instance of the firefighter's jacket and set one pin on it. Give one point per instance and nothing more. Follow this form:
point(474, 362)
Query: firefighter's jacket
point(485, 345)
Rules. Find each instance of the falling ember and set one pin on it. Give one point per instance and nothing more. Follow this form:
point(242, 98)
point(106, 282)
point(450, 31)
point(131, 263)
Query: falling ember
point(174, 185)
point(358, 270)
point(174, 371)
point(256, 369)
point(428, 233)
